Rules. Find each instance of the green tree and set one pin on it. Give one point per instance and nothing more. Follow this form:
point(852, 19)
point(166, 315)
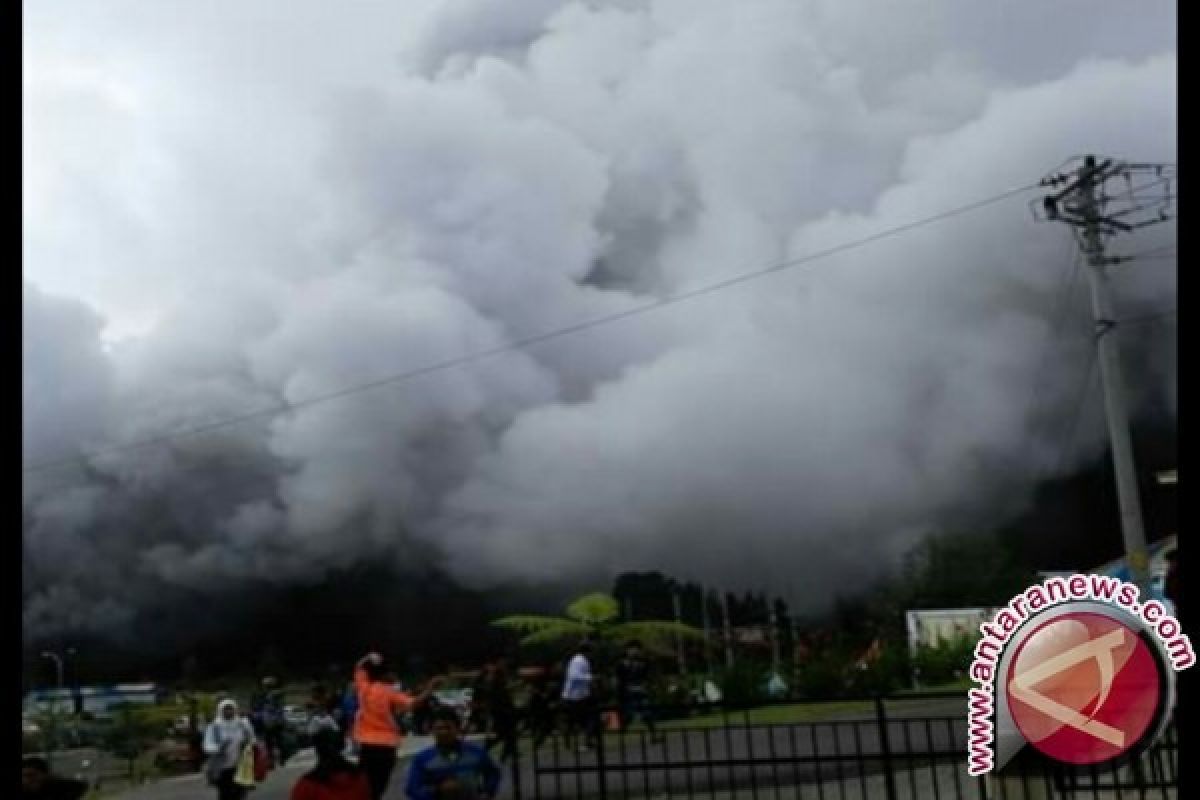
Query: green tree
point(945, 662)
point(597, 615)
point(744, 685)
point(53, 724)
point(132, 734)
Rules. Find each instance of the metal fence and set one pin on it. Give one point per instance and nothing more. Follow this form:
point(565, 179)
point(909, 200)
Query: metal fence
point(898, 747)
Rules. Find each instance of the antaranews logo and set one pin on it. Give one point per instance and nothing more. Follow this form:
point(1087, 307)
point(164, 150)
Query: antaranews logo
point(1076, 667)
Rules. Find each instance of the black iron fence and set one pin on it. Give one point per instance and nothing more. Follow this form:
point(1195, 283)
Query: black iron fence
point(883, 747)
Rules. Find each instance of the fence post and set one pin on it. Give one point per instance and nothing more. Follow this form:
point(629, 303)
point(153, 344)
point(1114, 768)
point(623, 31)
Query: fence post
point(516, 770)
point(601, 776)
point(885, 748)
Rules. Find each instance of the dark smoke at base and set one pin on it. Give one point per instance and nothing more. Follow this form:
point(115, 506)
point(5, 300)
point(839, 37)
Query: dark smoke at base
point(423, 622)
point(426, 623)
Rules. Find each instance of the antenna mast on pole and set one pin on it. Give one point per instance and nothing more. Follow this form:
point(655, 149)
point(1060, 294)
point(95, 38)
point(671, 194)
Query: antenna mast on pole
point(1101, 199)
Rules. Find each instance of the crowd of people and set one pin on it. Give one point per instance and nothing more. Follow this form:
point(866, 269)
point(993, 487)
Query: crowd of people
point(568, 699)
point(355, 734)
point(372, 716)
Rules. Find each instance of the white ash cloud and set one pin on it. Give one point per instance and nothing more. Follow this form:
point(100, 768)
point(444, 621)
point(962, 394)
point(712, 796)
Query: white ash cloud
point(274, 202)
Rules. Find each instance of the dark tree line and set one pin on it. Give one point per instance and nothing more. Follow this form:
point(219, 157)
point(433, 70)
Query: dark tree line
point(650, 595)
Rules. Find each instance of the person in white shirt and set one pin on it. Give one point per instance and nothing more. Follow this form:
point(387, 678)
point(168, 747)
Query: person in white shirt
point(577, 697)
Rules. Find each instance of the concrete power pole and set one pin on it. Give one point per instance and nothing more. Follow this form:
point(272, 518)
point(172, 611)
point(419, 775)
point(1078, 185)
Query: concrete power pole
point(774, 623)
point(728, 631)
point(704, 622)
point(1094, 214)
point(793, 657)
point(679, 639)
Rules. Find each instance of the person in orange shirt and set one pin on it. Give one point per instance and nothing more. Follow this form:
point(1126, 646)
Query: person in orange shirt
point(375, 729)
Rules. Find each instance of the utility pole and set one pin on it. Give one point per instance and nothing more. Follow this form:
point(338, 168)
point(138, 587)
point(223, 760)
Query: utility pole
point(1094, 213)
point(53, 734)
point(728, 631)
point(58, 666)
point(705, 624)
point(774, 623)
point(793, 658)
point(679, 639)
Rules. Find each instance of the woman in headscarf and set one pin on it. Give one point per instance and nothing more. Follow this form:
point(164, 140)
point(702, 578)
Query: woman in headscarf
point(225, 740)
point(334, 778)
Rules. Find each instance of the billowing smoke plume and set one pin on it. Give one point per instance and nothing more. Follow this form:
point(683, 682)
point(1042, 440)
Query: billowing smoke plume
point(231, 208)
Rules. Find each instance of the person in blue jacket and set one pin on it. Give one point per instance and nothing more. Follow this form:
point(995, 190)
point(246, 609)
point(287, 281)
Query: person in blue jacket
point(347, 711)
point(452, 769)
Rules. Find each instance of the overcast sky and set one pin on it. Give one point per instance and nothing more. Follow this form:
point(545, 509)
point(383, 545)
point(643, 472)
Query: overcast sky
point(232, 205)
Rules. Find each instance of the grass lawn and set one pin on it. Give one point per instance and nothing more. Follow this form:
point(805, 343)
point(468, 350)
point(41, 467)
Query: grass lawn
point(777, 715)
point(953, 686)
point(799, 712)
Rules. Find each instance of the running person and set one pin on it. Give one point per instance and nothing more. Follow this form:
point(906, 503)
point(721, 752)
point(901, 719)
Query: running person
point(225, 740)
point(577, 697)
point(479, 718)
point(633, 692)
point(452, 769)
point(503, 712)
point(266, 714)
point(346, 714)
point(539, 713)
point(375, 729)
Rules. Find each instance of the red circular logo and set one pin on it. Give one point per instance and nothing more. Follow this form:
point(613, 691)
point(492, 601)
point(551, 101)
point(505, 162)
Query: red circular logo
point(1084, 688)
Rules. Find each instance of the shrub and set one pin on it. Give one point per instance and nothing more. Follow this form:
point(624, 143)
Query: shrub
point(744, 685)
point(944, 663)
point(884, 675)
point(822, 676)
point(130, 735)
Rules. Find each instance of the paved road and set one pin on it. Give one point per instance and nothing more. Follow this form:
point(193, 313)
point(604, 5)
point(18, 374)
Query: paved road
point(278, 785)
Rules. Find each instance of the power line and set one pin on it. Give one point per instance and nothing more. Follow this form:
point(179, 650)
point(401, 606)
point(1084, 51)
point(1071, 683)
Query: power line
point(1157, 253)
point(1149, 319)
point(520, 344)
